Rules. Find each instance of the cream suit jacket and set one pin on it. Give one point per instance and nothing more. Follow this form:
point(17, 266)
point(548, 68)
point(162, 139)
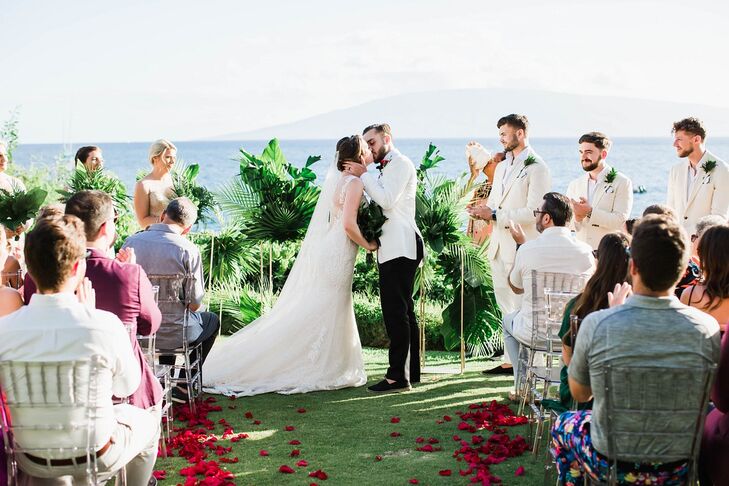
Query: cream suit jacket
point(611, 206)
point(395, 192)
point(515, 199)
point(709, 194)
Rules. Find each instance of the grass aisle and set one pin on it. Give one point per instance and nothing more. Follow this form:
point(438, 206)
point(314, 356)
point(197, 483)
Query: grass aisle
point(343, 432)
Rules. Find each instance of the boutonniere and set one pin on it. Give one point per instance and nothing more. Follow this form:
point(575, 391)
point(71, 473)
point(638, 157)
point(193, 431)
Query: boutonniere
point(610, 177)
point(383, 163)
point(530, 160)
point(708, 166)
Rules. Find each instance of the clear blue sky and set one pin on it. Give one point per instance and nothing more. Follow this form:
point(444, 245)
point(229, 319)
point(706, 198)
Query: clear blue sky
point(141, 70)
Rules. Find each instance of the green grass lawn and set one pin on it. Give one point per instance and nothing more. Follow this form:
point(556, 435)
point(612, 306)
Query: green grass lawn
point(342, 432)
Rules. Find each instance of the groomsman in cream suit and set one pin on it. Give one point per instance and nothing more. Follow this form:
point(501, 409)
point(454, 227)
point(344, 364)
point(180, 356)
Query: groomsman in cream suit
point(698, 186)
point(400, 253)
point(601, 199)
point(520, 182)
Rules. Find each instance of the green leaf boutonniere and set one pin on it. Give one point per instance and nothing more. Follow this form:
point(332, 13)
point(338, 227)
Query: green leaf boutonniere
point(708, 166)
point(610, 177)
point(530, 160)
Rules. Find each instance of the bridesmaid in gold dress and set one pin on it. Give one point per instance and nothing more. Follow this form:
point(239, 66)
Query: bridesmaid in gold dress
point(479, 230)
point(153, 192)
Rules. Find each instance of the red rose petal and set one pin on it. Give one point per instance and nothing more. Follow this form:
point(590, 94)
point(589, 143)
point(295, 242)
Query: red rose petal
point(378, 458)
point(302, 463)
point(395, 434)
point(295, 442)
point(161, 474)
point(249, 415)
point(433, 440)
point(447, 418)
point(445, 472)
point(289, 428)
point(295, 452)
point(395, 420)
point(285, 470)
point(413, 481)
point(319, 474)
point(256, 422)
point(263, 453)
point(301, 410)
point(420, 440)
point(519, 471)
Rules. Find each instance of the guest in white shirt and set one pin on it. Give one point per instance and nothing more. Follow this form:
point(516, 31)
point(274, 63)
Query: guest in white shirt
point(59, 326)
point(554, 250)
point(697, 186)
point(601, 199)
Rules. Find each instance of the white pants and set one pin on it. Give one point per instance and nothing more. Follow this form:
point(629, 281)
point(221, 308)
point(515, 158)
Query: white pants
point(134, 445)
point(506, 298)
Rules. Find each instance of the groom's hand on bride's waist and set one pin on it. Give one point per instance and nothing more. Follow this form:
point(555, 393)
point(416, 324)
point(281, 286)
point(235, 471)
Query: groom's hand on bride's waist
point(355, 169)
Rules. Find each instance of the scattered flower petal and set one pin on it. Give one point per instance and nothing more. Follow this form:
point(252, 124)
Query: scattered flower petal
point(294, 442)
point(263, 453)
point(378, 458)
point(285, 470)
point(519, 471)
point(395, 434)
point(301, 410)
point(289, 428)
point(302, 463)
point(395, 420)
point(295, 452)
point(445, 472)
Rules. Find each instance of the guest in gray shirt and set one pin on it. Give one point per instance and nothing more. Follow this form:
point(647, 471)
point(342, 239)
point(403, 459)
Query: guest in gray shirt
point(163, 249)
point(652, 328)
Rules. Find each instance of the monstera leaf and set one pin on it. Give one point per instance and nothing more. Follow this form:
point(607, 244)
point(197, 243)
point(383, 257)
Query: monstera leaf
point(18, 206)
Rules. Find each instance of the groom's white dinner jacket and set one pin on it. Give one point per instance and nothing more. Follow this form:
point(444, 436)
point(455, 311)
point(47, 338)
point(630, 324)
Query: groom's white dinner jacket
point(395, 192)
point(705, 194)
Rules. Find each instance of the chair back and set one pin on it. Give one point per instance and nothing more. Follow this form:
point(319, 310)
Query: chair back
point(636, 420)
point(49, 410)
point(173, 298)
point(551, 291)
point(12, 279)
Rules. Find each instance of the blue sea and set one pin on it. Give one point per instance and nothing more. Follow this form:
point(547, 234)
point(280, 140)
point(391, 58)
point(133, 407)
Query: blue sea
point(645, 161)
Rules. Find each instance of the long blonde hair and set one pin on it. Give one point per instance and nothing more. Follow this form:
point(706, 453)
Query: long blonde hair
point(159, 147)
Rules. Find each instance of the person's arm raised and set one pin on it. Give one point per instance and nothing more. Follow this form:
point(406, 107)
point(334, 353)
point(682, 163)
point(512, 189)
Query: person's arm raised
point(352, 199)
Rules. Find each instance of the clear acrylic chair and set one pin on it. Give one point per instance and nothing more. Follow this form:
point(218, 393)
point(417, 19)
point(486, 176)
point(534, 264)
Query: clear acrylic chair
point(630, 394)
point(30, 392)
point(174, 298)
point(551, 292)
point(12, 279)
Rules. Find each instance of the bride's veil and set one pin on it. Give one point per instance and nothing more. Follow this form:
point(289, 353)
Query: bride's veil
point(309, 265)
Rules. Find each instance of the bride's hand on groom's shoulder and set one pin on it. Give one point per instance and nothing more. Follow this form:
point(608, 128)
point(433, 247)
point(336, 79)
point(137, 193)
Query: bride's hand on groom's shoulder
point(355, 169)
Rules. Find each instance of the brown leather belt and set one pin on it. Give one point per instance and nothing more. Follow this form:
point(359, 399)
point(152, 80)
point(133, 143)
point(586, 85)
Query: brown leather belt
point(66, 462)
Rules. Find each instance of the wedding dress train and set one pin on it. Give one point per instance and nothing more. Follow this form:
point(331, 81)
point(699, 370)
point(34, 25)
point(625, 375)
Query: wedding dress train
point(308, 341)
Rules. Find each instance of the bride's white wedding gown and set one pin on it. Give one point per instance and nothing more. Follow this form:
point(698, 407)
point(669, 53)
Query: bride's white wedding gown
point(309, 340)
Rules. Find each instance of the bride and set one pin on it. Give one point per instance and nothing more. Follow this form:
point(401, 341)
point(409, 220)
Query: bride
point(309, 340)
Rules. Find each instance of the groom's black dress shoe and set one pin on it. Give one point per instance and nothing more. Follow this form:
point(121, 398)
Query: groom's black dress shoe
point(499, 370)
point(385, 387)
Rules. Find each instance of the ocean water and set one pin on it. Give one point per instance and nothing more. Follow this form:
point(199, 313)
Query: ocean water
point(646, 161)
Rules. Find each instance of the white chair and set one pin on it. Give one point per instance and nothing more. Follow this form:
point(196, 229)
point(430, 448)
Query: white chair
point(174, 297)
point(33, 395)
point(635, 419)
point(551, 292)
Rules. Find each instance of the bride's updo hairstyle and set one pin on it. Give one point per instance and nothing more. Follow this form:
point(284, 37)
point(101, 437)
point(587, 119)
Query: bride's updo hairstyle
point(351, 149)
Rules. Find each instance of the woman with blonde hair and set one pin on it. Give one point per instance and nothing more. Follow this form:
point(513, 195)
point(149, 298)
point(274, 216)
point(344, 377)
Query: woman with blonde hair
point(154, 191)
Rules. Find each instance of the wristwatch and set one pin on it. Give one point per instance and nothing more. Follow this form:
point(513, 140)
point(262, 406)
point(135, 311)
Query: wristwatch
point(493, 215)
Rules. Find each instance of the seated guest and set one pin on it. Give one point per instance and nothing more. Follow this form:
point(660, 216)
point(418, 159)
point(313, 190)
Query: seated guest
point(652, 328)
point(121, 288)
point(613, 255)
point(554, 250)
point(693, 273)
point(702, 225)
point(711, 294)
point(58, 326)
point(163, 250)
point(10, 300)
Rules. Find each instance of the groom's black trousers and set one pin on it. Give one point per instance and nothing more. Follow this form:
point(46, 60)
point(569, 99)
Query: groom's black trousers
point(397, 278)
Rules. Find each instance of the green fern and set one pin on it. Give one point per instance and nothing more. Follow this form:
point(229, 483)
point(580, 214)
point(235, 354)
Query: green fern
point(184, 184)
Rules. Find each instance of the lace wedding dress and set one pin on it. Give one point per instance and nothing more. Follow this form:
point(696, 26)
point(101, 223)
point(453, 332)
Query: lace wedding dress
point(308, 341)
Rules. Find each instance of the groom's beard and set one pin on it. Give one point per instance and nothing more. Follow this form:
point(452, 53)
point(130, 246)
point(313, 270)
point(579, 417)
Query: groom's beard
point(380, 154)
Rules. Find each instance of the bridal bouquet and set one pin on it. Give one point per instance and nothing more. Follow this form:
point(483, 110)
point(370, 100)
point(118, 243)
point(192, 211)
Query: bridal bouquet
point(184, 183)
point(370, 219)
point(19, 206)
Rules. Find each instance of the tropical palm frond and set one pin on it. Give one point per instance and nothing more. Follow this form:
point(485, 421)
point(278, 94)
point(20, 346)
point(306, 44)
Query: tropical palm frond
point(279, 224)
point(234, 258)
point(184, 184)
point(98, 180)
point(237, 199)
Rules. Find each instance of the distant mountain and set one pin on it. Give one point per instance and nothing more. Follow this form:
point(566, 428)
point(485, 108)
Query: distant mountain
point(474, 112)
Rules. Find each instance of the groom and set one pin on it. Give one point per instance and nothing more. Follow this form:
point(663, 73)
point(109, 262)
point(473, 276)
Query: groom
point(399, 255)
